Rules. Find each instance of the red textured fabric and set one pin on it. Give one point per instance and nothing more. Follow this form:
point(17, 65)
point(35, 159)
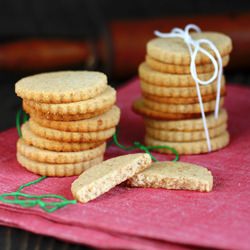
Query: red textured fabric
point(146, 218)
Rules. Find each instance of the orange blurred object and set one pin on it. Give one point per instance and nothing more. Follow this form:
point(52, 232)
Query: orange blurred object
point(36, 55)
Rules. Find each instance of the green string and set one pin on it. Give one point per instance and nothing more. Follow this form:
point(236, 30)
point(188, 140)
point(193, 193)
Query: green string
point(20, 112)
point(138, 145)
point(29, 200)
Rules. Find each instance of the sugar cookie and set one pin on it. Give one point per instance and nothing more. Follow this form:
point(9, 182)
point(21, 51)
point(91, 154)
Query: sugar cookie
point(47, 156)
point(59, 146)
point(175, 50)
point(174, 175)
point(184, 136)
point(182, 69)
point(101, 178)
point(140, 108)
point(196, 147)
point(97, 103)
point(189, 124)
point(181, 91)
point(64, 136)
point(61, 86)
point(104, 121)
point(58, 170)
point(182, 108)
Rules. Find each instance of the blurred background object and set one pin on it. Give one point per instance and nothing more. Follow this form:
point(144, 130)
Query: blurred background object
point(46, 35)
point(38, 36)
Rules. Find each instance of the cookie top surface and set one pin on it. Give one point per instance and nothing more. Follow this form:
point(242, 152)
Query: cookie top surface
point(177, 170)
point(61, 86)
point(175, 50)
point(116, 164)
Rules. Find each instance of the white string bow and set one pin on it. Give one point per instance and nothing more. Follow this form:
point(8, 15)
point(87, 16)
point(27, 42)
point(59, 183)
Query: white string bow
point(194, 46)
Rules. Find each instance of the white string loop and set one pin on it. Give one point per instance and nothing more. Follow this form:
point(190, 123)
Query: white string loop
point(195, 47)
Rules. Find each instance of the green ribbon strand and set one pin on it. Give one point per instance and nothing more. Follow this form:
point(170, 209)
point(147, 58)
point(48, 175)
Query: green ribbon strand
point(20, 112)
point(138, 145)
point(29, 200)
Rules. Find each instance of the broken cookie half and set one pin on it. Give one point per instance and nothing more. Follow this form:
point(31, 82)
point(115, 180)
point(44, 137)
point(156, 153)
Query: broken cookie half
point(106, 175)
point(174, 175)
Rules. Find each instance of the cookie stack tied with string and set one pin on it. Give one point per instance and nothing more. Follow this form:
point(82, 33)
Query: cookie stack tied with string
point(72, 115)
point(183, 90)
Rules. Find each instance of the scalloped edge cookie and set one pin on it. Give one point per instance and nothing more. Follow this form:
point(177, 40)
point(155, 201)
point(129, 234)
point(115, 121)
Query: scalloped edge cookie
point(58, 170)
point(61, 86)
point(188, 148)
point(58, 146)
point(97, 103)
point(47, 156)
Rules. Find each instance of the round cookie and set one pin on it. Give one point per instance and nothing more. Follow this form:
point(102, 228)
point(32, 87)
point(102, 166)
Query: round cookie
point(59, 170)
point(180, 91)
point(182, 69)
point(43, 143)
point(190, 124)
point(97, 103)
point(181, 108)
point(61, 117)
point(196, 147)
point(104, 121)
point(154, 77)
point(140, 108)
point(64, 136)
point(61, 86)
point(175, 50)
point(183, 100)
point(184, 136)
point(47, 156)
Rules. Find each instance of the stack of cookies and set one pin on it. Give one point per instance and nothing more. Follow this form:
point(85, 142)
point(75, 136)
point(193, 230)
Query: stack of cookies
point(72, 115)
point(169, 101)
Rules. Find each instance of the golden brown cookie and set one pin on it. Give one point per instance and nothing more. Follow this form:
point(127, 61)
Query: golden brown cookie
point(184, 136)
point(101, 178)
point(174, 175)
point(62, 86)
point(64, 136)
point(154, 77)
point(140, 108)
point(175, 50)
point(59, 170)
point(97, 103)
point(189, 124)
point(47, 156)
point(101, 122)
point(181, 108)
point(61, 117)
point(181, 91)
point(43, 143)
point(183, 100)
point(182, 69)
point(187, 148)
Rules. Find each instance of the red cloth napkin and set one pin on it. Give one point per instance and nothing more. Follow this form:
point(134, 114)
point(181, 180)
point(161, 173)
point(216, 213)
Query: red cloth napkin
point(146, 218)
